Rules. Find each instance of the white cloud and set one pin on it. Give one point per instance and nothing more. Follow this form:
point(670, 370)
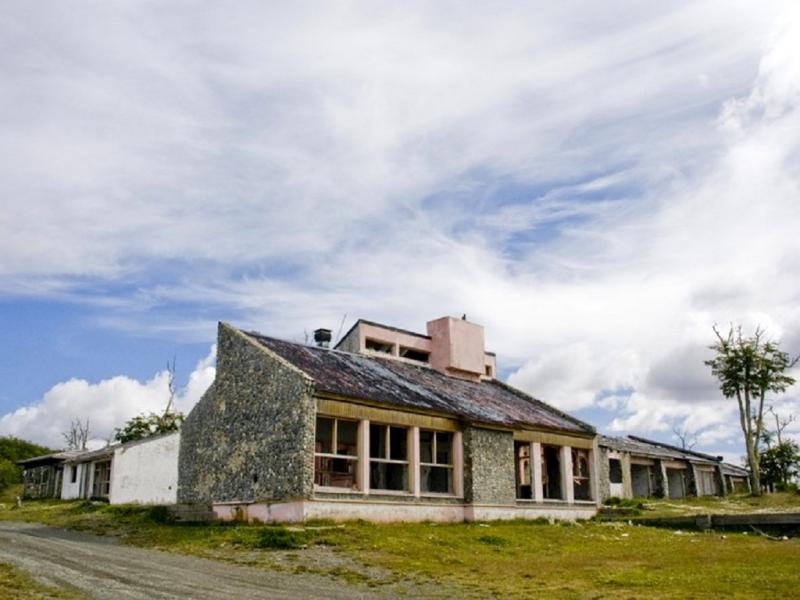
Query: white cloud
point(107, 404)
point(596, 186)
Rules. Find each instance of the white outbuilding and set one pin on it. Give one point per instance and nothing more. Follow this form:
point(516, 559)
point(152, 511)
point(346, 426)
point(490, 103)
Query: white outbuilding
point(139, 472)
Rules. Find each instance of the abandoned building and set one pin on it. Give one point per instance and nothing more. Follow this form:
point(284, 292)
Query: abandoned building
point(389, 425)
point(138, 472)
point(737, 479)
point(42, 475)
point(635, 467)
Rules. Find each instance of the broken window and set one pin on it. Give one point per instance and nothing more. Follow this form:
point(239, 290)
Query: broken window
point(615, 470)
point(412, 354)
point(551, 473)
point(73, 473)
point(522, 468)
point(436, 461)
point(336, 453)
point(378, 346)
point(388, 454)
point(101, 483)
point(581, 481)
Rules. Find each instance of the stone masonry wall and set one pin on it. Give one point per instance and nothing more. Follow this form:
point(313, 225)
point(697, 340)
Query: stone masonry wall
point(251, 436)
point(489, 466)
point(603, 475)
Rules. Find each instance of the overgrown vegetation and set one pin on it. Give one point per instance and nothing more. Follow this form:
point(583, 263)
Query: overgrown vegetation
point(517, 559)
point(11, 450)
point(143, 426)
point(780, 465)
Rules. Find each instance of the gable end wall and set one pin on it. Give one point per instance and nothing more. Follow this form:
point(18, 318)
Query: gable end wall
point(251, 436)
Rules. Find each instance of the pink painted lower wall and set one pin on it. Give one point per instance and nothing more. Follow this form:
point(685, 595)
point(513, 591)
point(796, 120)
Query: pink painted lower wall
point(386, 512)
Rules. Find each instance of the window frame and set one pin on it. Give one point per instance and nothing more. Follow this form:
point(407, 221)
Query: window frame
point(579, 479)
point(388, 460)
point(521, 471)
point(333, 455)
point(615, 470)
point(434, 450)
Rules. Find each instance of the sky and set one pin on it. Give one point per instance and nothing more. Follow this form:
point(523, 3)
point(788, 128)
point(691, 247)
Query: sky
point(597, 184)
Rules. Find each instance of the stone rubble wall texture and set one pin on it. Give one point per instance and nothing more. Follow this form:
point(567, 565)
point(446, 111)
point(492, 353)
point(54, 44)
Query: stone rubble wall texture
point(603, 475)
point(489, 466)
point(251, 436)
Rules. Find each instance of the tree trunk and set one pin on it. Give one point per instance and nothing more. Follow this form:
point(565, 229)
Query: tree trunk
point(755, 472)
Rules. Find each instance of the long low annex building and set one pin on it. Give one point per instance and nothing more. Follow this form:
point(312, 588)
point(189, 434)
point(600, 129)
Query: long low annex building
point(390, 425)
point(635, 467)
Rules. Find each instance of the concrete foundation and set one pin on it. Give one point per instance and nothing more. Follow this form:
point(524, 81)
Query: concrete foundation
point(387, 511)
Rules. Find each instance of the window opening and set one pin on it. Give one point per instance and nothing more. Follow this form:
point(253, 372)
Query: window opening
point(615, 470)
point(551, 473)
point(412, 354)
point(581, 481)
point(73, 473)
point(436, 461)
point(102, 479)
point(522, 467)
point(377, 346)
point(388, 454)
point(336, 453)
point(642, 481)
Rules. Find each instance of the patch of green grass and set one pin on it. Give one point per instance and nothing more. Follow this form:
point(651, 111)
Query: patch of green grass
point(16, 585)
point(732, 504)
point(624, 502)
point(280, 538)
point(514, 559)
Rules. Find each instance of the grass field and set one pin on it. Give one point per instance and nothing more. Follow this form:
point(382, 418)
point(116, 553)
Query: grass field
point(509, 560)
point(16, 585)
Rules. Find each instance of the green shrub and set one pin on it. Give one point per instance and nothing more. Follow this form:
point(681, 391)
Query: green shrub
point(11, 450)
point(160, 514)
point(624, 502)
point(280, 538)
point(492, 540)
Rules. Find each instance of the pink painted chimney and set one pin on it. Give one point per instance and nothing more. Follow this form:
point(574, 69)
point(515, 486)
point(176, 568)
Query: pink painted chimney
point(457, 348)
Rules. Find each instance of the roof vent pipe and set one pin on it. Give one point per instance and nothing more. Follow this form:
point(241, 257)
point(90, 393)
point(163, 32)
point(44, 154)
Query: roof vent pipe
point(322, 337)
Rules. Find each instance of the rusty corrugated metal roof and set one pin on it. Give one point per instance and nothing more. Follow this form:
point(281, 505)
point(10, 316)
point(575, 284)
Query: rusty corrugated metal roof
point(394, 382)
point(651, 448)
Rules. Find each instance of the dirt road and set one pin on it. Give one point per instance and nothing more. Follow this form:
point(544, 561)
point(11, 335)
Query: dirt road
point(101, 568)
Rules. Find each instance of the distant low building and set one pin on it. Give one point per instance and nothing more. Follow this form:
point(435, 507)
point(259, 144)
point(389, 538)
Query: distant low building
point(139, 472)
point(42, 475)
point(635, 467)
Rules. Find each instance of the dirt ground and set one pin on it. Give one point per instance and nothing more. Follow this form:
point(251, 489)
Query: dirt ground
point(100, 567)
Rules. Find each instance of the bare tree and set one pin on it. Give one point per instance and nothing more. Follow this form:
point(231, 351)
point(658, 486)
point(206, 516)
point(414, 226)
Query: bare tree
point(781, 423)
point(171, 386)
point(78, 434)
point(687, 439)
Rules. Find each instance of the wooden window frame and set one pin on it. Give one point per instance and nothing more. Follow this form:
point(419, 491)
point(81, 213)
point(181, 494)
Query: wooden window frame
point(392, 461)
point(353, 458)
point(449, 466)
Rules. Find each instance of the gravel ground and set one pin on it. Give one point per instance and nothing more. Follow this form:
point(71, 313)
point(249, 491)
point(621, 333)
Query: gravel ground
point(100, 567)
